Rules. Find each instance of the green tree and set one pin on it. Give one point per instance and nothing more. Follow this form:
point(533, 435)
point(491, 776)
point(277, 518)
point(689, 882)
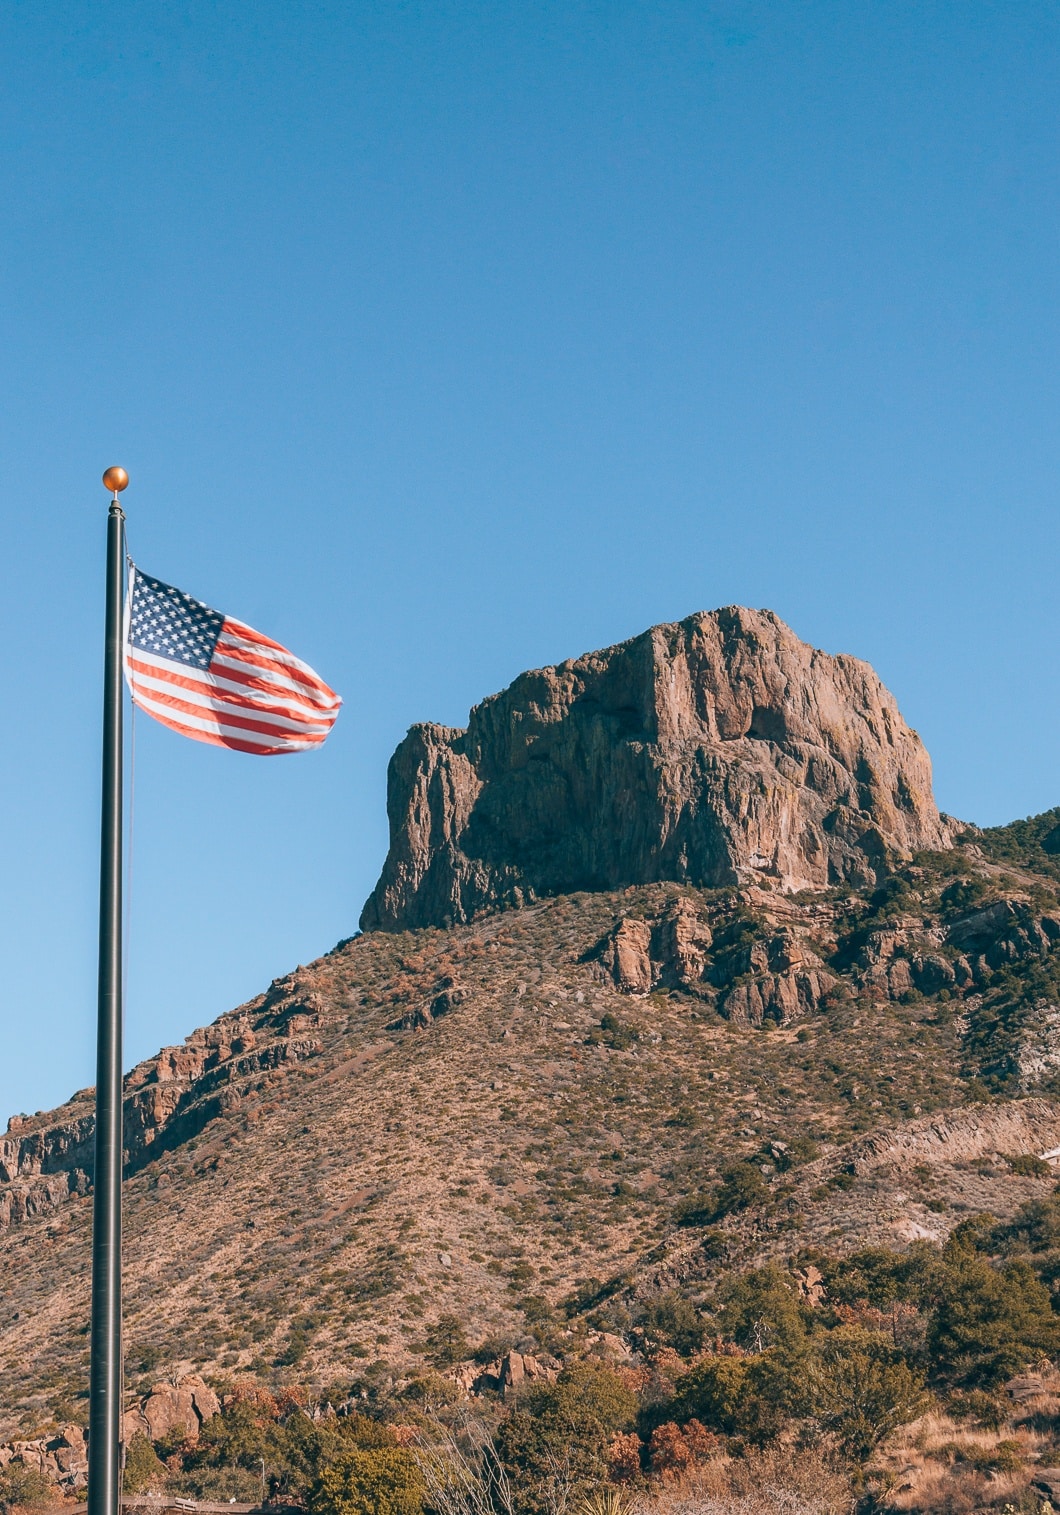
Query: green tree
point(367, 1481)
point(562, 1431)
point(752, 1397)
point(143, 1468)
point(859, 1387)
point(761, 1310)
point(446, 1342)
point(883, 1278)
point(989, 1322)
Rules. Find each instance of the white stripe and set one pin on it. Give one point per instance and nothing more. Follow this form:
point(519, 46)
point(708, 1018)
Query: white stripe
point(273, 677)
point(194, 723)
point(207, 681)
point(231, 628)
point(226, 707)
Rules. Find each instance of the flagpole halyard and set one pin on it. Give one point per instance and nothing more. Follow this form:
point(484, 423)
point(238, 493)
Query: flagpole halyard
point(105, 1365)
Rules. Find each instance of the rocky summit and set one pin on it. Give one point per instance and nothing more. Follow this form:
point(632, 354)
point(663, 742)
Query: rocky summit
point(720, 750)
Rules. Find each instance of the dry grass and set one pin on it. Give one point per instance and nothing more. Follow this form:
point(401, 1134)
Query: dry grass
point(768, 1483)
point(945, 1467)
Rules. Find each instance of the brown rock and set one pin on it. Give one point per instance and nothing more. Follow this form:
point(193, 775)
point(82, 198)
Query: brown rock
point(172, 1407)
point(779, 997)
point(628, 955)
point(516, 1369)
point(719, 750)
point(684, 941)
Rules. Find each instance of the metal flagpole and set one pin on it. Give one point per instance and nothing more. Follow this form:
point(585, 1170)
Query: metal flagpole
point(105, 1375)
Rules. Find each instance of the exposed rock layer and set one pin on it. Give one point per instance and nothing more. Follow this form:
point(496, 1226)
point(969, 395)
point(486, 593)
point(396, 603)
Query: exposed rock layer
point(716, 751)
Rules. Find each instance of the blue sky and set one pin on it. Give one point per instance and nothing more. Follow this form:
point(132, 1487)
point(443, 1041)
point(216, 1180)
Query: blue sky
point(445, 340)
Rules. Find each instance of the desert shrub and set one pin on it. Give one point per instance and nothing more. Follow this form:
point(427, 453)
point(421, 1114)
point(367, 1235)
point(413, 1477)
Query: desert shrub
point(564, 1430)
point(741, 1186)
point(989, 1322)
point(882, 1277)
point(750, 1397)
point(359, 1480)
point(860, 1388)
point(761, 1309)
point(24, 1488)
point(1034, 1228)
point(1028, 1165)
point(445, 1342)
point(673, 1319)
point(143, 1467)
point(624, 1458)
point(674, 1449)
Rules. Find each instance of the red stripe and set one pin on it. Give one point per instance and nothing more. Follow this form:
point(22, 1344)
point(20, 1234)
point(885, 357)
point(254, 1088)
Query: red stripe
point(252, 681)
point(296, 675)
point(217, 739)
point(243, 723)
point(206, 687)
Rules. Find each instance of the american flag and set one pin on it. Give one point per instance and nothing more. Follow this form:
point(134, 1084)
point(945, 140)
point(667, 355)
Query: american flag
point(215, 679)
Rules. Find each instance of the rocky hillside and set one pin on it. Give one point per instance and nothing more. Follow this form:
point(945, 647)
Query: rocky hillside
point(718, 751)
point(526, 1122)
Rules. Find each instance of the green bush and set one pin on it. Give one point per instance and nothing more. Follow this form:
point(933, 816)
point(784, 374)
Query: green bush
point(674, 1320)
point(860, 1388)
point(750, 1397)
point(367, 1481)
point(990, 1322)
point(762, 1310)
point(143, 1468)
point(741, 1186)
point(24, 1488)
point(564, 1430)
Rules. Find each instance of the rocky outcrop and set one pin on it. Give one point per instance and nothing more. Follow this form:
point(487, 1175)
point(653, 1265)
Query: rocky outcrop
point(169, 1099)
point(752, 970)
point(62, 1458)
point(172, 1410)
point(717, 751)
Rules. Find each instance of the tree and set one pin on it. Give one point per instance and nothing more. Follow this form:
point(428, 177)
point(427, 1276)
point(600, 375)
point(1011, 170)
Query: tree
point(562, 1433)
point(762, 1310)
point(446, 1342)
point(989, 1322)
point(860, 1388)
point(143, 1468)
point(753, 1397)
point(368, 1481)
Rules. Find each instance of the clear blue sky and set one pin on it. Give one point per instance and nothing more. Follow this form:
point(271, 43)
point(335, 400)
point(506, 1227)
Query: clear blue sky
point(443, 340)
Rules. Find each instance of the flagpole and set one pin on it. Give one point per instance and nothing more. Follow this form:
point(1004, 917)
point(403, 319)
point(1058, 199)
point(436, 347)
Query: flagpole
point(105, 1365)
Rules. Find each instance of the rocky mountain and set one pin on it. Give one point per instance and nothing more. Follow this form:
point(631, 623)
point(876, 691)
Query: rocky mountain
point(721, 750)
point(528, 1123)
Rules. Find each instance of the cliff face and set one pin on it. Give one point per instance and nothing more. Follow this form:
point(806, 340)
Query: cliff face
point(716, 751)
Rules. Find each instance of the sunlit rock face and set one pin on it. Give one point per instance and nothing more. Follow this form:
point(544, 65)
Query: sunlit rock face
point(719, 750)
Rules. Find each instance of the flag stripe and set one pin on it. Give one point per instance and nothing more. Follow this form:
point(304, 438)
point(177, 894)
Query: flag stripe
point(217, 736)
point(241, 637)
point(156, 672)
point(254, 717)
point(258, 675)
point(171, 712)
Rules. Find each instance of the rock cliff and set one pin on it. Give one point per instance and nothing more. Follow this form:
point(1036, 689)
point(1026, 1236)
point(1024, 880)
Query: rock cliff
point(719, 750)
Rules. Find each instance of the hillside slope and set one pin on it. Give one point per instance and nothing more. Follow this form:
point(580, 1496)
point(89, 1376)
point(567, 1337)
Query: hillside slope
point(522, 1122)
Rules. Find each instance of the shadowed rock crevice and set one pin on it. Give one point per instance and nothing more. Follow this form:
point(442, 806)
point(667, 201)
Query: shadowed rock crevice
point(717, 751)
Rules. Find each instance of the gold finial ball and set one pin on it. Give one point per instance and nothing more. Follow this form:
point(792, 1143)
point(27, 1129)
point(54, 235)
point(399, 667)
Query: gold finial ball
point(115, 479)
